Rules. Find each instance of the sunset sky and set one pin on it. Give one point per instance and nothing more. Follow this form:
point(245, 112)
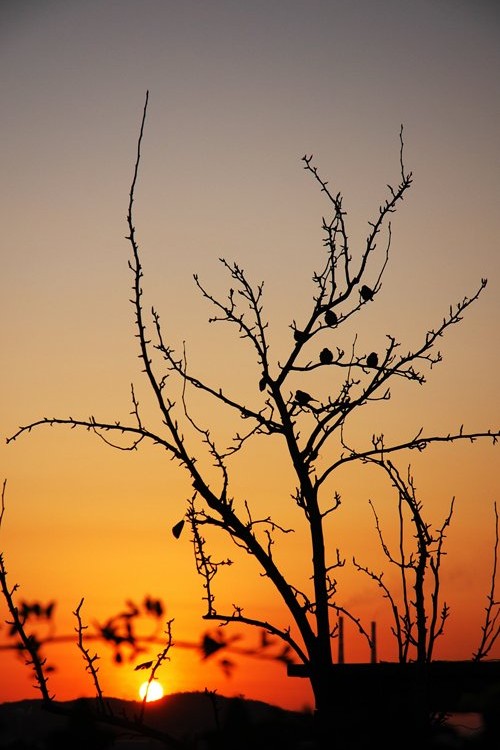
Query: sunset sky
point(239, 92)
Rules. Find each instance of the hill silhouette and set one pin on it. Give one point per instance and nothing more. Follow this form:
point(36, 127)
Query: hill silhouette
point(195, 719)
point(182, 721)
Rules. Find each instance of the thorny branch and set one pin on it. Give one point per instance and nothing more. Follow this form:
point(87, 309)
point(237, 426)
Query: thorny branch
point(154, 666)
point(90, 661)
point(30, 644)
point(491, 627)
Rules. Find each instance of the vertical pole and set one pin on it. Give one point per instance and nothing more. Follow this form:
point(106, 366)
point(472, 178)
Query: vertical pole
point(341, 640)
point(374, 643)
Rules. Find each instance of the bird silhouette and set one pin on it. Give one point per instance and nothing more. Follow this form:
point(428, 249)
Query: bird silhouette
point(330, 318)
point(372, 359)
point(262, 383)
point(303, 398)
point(325, 356)
point(366, 293)
point(300, 336)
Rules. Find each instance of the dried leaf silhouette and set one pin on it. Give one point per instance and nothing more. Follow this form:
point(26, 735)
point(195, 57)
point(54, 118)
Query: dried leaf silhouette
point(144, 665)
point(210, 645)
point(154, 606)
point(177, 529)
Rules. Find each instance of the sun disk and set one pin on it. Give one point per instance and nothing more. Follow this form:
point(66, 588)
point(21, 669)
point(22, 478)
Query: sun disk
point(153, 691)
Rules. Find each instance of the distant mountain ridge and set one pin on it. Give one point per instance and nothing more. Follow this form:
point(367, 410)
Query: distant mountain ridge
point(196, 718)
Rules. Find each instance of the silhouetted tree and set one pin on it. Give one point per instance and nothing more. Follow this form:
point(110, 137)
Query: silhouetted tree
point(311, 430)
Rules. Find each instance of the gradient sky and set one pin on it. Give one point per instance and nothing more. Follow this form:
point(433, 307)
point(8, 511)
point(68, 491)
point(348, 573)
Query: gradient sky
point(239, 92)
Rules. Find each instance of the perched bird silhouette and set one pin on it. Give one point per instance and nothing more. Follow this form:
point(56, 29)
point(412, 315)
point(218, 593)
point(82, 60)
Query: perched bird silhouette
point(325, 356)
point(372, 359)
point(330, 318)
point(303, 398)
point(262, 383)
point(366, 293)
point(300, 336)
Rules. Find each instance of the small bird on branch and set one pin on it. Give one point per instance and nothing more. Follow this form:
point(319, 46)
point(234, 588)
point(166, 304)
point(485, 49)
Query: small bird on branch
point(326, 356)
point(303, 398)
point(331, 318)
point(372, 360)
point(300, 336)
point(366, 293)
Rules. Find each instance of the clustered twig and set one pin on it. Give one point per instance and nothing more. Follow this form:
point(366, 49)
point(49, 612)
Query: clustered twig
point(414, 626)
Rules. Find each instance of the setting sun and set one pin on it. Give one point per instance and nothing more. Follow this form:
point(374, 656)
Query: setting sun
point(153, 691)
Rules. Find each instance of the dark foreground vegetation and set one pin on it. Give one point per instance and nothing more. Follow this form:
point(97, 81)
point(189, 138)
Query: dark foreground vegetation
point(202, 721)
point(182, 721)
